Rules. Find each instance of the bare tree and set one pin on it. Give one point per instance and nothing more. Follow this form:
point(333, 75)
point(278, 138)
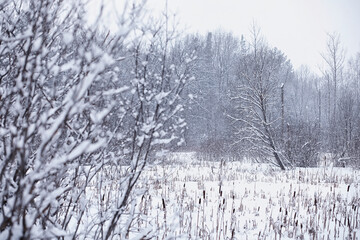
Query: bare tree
point(209, 129)
point(257, 99)
point(152, 119)
point(334, 58)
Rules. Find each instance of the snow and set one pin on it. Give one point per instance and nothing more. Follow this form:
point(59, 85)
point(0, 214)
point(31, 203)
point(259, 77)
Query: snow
point(37, 44)
point(140, 140)
point(181, 197)
point(146, 128)
point(107, 59)
point(159, 97)
point(68, 38)
point(97, 117)
point(163, 141)
point(79, 150)
point(205, 200)
point(116, 91)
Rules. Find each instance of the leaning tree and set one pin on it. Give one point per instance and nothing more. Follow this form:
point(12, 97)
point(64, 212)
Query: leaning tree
point(256, 99)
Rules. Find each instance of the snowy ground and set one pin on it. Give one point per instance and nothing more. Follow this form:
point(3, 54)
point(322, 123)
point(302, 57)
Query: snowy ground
point(204, 200)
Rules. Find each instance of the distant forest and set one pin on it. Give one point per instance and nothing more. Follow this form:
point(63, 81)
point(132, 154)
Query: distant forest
point(250, 101)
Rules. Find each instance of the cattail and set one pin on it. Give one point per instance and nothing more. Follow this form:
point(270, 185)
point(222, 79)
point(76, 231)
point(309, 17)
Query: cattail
point(163, 203)
point(204, 193)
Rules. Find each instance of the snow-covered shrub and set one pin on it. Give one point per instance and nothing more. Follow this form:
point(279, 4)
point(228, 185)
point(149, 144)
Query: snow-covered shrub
point(70, 120)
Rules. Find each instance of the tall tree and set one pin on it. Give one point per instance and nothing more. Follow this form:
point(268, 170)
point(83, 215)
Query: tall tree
point(213, 69)
point(334, 58)
point(257, 99)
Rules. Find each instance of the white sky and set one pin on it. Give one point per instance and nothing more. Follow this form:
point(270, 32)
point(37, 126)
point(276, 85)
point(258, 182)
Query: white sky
point(297, 27)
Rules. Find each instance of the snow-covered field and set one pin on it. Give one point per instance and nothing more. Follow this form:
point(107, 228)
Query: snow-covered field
point(191, 199)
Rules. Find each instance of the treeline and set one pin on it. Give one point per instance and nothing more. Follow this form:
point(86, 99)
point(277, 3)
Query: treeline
point(249, 101)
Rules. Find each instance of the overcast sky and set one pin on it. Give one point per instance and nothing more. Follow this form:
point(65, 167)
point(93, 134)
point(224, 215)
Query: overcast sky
point(297, 27)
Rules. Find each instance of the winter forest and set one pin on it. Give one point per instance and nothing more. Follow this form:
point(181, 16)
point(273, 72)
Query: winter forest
point(150, 132)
